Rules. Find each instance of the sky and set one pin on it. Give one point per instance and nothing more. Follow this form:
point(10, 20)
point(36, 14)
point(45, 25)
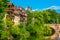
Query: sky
point(38, 4)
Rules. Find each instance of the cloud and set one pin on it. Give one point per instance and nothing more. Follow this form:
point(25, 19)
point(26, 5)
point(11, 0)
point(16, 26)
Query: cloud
point(35, 9)
point(52, 7)
point(32, 9)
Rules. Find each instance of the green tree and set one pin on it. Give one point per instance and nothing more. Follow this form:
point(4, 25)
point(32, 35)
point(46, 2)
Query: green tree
point(50, 16)
point(3, 33)
point(3, 6)
point(29, 15)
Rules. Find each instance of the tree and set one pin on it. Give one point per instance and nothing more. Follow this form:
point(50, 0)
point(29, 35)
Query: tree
point(3, 6)
point(29, 15)
point(50, 16)
point(3, 32)
point(37, 29)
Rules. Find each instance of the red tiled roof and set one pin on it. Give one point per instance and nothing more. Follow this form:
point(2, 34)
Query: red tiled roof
point(16, 12)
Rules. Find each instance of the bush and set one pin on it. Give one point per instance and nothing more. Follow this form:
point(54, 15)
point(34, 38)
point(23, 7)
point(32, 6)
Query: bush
point(4, 34)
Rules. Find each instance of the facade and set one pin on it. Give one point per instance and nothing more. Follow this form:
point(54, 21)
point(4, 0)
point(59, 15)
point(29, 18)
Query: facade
point(16, 14)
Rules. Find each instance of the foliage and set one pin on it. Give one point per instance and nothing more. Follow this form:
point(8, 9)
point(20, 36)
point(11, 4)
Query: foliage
point(47, 31)
point(3, 5)
point(29, 16)
point(14, 30)
point(35, 29)
point(4, 34)
point(50, 16)
point(9, 22)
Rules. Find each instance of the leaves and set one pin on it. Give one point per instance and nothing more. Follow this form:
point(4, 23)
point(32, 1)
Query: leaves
point(35, 29)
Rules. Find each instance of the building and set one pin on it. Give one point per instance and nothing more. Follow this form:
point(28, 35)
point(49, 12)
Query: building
point(17, 14)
